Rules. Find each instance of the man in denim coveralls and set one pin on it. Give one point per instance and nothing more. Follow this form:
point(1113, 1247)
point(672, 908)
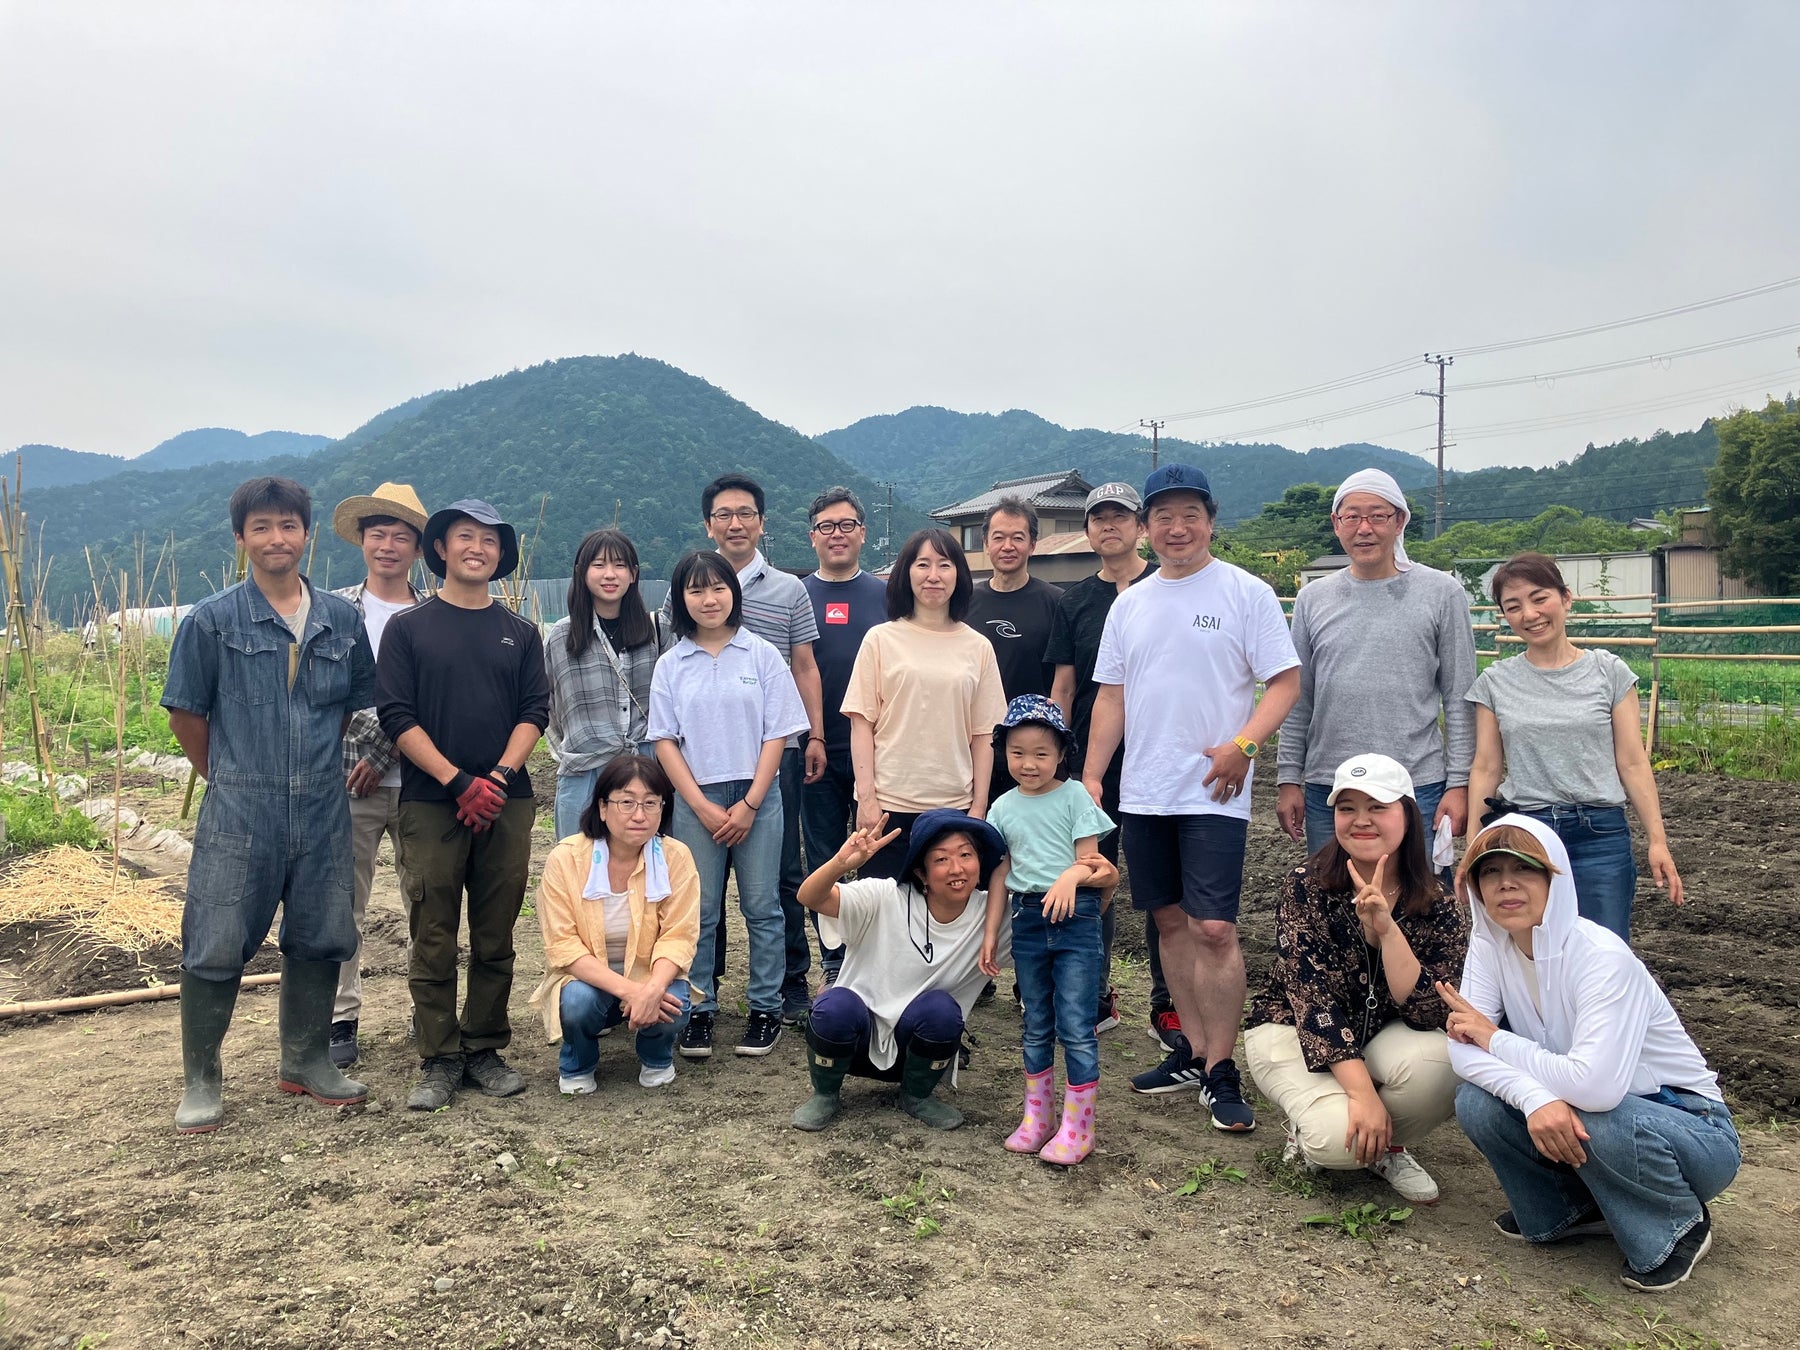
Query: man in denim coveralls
point(263, 677)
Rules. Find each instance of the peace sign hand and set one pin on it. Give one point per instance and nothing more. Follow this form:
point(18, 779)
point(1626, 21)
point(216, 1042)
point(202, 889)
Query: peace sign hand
point(864, 844)
point(1372, 907)
point(1465, 1023)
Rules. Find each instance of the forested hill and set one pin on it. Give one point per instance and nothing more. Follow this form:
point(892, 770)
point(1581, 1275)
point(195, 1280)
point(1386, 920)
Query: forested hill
point(935, 456)
point(48, 466)
point(588, 432)
point(1622, 480)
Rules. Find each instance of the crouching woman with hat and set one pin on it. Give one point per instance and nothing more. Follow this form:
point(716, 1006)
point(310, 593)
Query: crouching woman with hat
point(1595, 1109)
point(910, 974)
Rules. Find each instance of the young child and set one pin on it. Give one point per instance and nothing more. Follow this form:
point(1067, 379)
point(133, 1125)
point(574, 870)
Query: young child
point(1059, 886)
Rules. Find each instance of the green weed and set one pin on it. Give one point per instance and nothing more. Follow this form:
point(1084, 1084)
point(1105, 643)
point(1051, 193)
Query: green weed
point(1215, 1169)
point(33, 822)
point(916, 1202)
point(1359, 1221)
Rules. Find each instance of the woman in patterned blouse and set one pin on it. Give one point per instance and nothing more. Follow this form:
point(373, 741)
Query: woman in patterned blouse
point(1348, 1037)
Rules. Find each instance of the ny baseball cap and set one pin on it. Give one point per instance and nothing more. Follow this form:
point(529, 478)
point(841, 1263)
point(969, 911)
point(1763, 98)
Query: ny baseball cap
point(1176, 477)
point(1119, 494)
point(1380, 777)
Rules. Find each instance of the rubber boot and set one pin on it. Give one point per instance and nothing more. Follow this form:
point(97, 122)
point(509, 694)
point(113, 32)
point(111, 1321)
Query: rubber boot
point(826, 1064)
point(1040, 1121)
point(308, 989)
point(205, 1015)
point(924, 1064)
point(1075, 1140)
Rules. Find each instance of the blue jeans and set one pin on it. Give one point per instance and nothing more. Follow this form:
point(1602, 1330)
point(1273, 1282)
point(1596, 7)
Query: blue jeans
point(587, 1011)
point(1058, 966)
point(826, 809)
point(798, 957)
point(757, 863)
point(1321, 826)
point(1650, 1167)
point(1599, 843)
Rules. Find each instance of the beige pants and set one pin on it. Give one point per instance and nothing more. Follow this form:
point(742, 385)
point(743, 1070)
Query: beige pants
point(1412, 1076)
point(370, 818)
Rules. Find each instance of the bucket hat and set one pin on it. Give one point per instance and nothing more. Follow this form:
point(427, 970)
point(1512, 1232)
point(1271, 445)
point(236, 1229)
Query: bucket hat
point(931, 826)
point(482, 514)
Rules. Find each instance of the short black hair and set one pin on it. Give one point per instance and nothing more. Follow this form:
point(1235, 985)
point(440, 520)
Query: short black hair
point(623, 771)
point(370, 522)
point(281, 495)
point(830, 497)
point(899, 587)
point(1011, 506)
point(732, 482)
point(700, 568)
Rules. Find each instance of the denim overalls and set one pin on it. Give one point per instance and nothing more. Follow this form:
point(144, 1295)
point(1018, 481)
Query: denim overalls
point(274, 825)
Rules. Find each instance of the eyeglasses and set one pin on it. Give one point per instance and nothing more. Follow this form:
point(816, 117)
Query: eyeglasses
point(743, 513)
point(650, 806)
point(1379, 519)
point(836, 526)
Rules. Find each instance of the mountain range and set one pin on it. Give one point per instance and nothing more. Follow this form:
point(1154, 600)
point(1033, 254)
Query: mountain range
point(53, 466)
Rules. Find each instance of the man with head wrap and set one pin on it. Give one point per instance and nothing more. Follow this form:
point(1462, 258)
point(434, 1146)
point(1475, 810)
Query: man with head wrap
point(1385, 647)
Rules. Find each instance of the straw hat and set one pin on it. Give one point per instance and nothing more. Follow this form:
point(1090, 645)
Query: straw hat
point(390, 499)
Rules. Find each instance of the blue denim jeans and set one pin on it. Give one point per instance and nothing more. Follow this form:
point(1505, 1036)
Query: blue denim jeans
point(798, 954)
point(587, 1011)
point(1598, 839)
point(1650, 1167)
point(757, 864)
point(827, 809)
point(1058, 967)
point(1320, 826)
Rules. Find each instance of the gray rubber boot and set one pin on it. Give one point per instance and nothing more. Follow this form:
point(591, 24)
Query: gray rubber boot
point(826, 1065)
point(205, 1016)
point(308, 989)
point(924, 1065)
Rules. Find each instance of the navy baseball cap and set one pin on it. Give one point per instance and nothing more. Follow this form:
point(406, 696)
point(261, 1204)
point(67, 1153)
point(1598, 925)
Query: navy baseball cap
point(1176, 477)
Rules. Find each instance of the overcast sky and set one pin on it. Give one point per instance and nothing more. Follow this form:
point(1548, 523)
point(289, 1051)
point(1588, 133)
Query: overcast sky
point(295, 215)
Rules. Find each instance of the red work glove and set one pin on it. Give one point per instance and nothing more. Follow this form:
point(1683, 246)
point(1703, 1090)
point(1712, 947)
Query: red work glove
point(479, 801)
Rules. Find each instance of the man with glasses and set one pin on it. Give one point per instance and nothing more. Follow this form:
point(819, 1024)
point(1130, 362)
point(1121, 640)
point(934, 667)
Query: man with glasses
point(847, 602)
point(1014, 611)
point(779, 611)
point(1386, 650)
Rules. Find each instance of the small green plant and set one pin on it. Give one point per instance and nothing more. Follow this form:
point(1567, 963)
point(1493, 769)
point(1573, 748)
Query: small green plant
point(916, 1202)
point(1359, 1221)
point(1214, 1169)
point(33, 822)
point(1285, 1177)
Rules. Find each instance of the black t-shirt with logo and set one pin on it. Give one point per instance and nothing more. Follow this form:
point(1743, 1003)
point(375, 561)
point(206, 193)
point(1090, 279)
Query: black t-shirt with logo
point(1018, 625)
point(844, 611)
point(1075, 640)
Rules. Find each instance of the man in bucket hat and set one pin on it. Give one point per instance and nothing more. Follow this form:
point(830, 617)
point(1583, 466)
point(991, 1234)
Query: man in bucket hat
point(462, 692)
point(386, 525)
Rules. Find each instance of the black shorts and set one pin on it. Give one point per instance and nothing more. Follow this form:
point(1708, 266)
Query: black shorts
point(1196, 862)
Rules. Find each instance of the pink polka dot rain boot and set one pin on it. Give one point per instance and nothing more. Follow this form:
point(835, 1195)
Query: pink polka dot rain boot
point(1040, 1122)
point(1075, 1140)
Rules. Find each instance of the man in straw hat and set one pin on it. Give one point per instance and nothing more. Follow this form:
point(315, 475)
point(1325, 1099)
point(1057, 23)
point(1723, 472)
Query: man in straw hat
point(386, 525)
point(263, 678)
point(463, 693)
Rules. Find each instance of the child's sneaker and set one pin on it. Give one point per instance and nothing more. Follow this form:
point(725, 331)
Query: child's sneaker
point(1108, 1016)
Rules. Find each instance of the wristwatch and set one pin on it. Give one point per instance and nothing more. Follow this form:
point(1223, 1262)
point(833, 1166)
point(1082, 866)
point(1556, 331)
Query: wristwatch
point(1248, 746)
point(506, 775)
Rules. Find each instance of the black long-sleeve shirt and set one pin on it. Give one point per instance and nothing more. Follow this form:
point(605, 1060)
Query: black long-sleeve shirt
point(467, 677)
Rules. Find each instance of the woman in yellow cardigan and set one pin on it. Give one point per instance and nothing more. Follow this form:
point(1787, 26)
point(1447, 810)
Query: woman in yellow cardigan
point(619, 906)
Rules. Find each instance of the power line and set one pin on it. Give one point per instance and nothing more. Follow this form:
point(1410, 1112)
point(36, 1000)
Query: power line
point(1326, 387)
point(1721, 345)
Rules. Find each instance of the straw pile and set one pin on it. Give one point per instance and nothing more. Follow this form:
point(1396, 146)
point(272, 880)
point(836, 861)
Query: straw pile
point(77, 887)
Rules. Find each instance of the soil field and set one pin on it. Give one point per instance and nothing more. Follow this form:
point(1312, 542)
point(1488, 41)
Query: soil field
point(695, 1215)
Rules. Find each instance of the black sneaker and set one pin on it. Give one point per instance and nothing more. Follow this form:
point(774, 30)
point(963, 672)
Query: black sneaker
point(343, 1043)
point(1178, 1073)
point(761, 1032)
point(696, 1037)
point(795, 1005)
point(1223, 1094)
point(439, 1078)
point(987, 993)
point(1689, 1248)
point(492, 1075)
point(1591, 1223)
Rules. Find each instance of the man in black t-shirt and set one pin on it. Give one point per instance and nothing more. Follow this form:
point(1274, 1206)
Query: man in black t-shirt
point(462, 693)
point(1014, 610)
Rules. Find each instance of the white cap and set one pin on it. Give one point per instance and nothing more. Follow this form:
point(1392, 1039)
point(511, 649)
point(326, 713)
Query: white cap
point(1382, 778)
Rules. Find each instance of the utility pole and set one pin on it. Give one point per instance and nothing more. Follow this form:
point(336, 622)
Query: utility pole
point(1437, 524)
point(1155, 445)
point(885, 543)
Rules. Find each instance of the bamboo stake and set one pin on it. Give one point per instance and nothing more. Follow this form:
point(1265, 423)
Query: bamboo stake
point(118, 747)
point(1650, 729)
point(12, 538)
point(84, 1002)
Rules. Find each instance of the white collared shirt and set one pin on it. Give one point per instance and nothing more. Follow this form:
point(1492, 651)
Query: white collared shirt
point(720, 710)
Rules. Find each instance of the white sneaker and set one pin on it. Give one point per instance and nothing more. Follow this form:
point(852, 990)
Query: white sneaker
point(1402, 1171)
point(577, 1084)
point(1294, 1155)
point(655, 1078)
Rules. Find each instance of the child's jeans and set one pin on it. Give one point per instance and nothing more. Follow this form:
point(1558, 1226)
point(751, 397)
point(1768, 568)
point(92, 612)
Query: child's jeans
point(1059, 971)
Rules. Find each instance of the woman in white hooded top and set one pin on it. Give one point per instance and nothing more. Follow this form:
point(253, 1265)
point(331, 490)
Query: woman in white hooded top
point(1596, 1110)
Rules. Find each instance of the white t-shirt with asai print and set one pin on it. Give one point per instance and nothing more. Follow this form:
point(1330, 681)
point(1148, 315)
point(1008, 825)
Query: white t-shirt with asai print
point(1190, 653)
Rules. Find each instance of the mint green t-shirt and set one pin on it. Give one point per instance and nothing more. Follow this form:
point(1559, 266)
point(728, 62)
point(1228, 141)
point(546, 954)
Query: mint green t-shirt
point(1040, 833)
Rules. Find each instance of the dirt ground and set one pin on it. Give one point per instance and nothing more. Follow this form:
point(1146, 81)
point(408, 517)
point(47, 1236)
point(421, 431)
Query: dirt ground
point(697, 1216)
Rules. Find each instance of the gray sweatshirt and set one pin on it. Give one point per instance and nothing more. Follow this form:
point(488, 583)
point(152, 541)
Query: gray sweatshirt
point(1379, 661)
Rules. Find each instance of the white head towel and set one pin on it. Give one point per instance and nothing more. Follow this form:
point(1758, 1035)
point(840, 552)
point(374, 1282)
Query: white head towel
point(1384, 487)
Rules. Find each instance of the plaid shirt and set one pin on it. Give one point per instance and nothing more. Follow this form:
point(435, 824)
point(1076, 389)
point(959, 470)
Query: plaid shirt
point(363, 738)
point(599, 705)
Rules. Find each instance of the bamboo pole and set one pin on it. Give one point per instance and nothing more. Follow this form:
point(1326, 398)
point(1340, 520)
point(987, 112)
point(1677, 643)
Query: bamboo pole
point(118, 747)
point(12, 539)
point(1716, 604)
point(1650, 729)
point(85, 1002)
point(1703, 628)
point(1591, 641)
point(1731, 656)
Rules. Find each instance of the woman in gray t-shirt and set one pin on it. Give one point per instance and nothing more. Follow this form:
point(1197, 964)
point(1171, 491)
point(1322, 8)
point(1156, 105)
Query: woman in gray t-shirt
point(1564, 723)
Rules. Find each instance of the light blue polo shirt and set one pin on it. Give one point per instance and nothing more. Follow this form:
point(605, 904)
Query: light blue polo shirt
point(720, 710)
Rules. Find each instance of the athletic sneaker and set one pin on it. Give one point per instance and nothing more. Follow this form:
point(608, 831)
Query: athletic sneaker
point(1177, 1073)
point(1592, 1223)
point(1108, 1016)
point(697, 1037)
point(654, 1078)
point(1165, 1026)
point(761, 1031)
point(1401, 1170)
point(343, 1043)
point(795, 1005)
point(1689, 1248)
point(1294, 1155)
point(1222, 1093)
point(577, 1084)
